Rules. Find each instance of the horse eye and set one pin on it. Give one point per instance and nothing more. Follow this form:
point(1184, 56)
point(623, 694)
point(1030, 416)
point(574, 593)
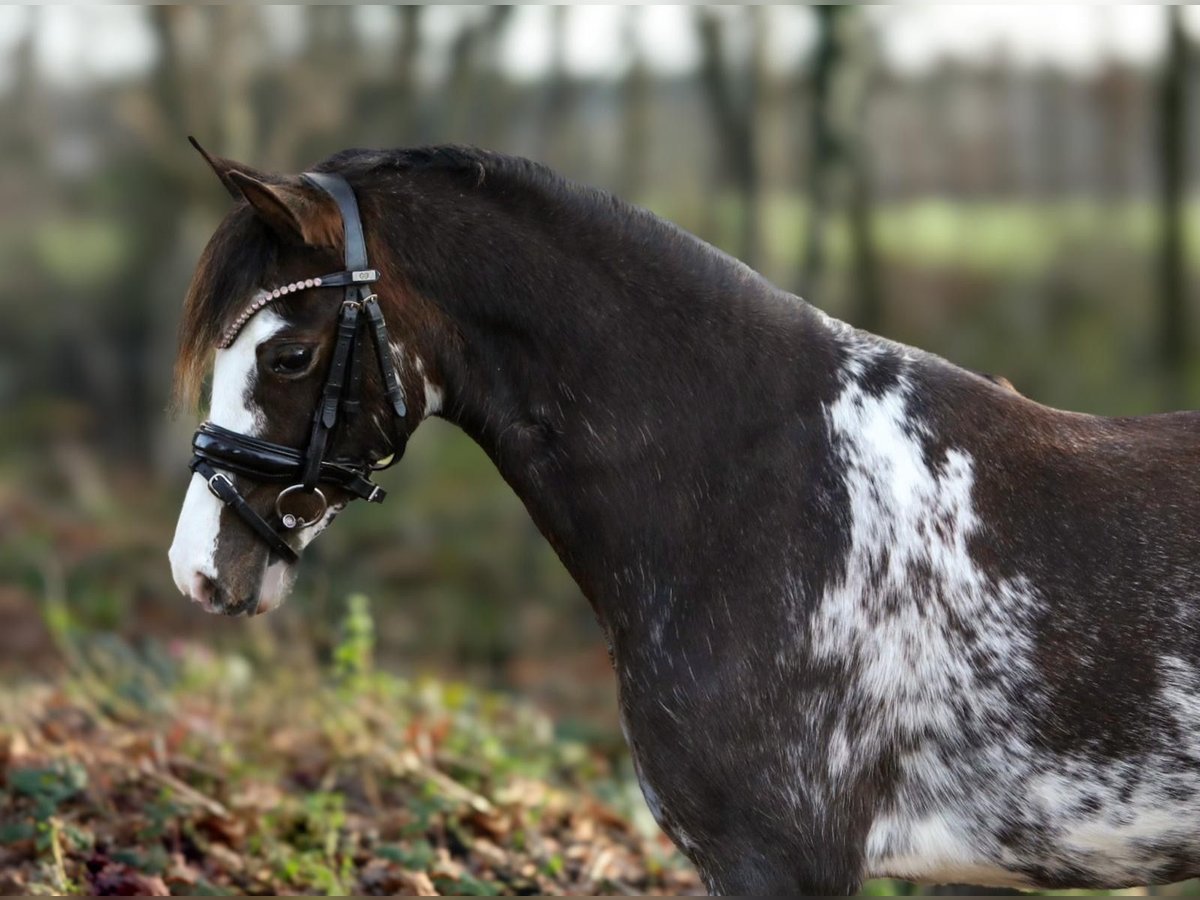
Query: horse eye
point(291, 359)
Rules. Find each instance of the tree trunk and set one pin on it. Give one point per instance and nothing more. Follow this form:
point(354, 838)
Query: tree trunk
point(868, 307)
point(405, 96)
point(635, 107)
point(560, 97)
point(1173, 338)
point(734, 120)
point(824, 151)
point(839, 163)
point(472, 107)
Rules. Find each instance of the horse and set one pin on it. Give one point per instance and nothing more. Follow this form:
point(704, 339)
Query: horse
point(871, 614)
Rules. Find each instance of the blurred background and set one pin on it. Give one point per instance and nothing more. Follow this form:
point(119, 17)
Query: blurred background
point(1014, 189)
point(1011, 188)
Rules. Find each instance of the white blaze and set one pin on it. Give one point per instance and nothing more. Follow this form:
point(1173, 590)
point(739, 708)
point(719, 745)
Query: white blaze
point(193, 552)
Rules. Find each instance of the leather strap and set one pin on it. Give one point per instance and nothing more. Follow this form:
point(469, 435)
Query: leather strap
point(355, 254)
point(383, 350)
point(222, 487)
point(264, 461)
point(325, 415)
point(352, 398)
point(349, 278)
point(341, 192)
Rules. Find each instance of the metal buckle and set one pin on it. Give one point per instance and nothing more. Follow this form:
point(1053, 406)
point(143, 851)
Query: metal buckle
point(224, 478)
point(291, 521)
point(377, 495)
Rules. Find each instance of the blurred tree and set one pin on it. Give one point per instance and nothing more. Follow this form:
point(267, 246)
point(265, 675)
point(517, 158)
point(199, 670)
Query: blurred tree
point(733, 93)
point(1174, 323)
point(139, 318)
point(473, 89)
point(1054, 102)
point(561, 95)
point(1115, 95)
point(635, 105)
point(838, 161)
point(388, 107)
point(24, 134)
point(403, 85)
point(868, 307)
point(495, 97)
point(237, 35)
point(824, 148)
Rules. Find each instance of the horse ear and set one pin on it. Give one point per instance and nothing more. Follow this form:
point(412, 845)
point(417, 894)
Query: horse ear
point(221, 168)
point(292, 207)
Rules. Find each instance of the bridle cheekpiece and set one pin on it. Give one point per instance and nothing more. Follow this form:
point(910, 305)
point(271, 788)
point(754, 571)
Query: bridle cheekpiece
point(303, 471)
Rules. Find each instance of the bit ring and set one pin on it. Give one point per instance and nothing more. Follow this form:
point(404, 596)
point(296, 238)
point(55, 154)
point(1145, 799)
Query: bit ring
point(290, 520)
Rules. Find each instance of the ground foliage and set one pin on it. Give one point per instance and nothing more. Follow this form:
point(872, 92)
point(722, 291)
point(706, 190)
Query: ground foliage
point(172, 770)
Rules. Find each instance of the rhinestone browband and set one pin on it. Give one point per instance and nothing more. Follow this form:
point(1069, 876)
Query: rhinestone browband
point(262, 300)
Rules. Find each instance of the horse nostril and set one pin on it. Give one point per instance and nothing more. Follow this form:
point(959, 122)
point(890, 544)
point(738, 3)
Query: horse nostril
point(204, 590)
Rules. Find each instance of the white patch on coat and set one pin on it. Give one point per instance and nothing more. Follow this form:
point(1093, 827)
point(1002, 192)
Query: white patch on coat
point(433, 393)
point(901, 639)
point(194, 548)
point(899, 635)
point(907, 516)
point(939, 657)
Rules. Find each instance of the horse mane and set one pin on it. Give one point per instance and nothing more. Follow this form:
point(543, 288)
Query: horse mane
point(504, 175)
point(479, 166)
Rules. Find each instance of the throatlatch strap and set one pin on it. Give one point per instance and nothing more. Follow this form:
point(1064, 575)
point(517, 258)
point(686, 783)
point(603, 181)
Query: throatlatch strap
point(383, 350)
point(223, 489)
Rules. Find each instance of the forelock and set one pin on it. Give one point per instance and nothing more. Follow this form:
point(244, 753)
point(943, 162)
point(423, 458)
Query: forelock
point(242, 255)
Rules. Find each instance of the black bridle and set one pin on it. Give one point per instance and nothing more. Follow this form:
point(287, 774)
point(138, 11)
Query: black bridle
point(259, 460)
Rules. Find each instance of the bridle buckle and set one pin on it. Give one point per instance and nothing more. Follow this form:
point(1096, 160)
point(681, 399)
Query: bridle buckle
point(213, 488)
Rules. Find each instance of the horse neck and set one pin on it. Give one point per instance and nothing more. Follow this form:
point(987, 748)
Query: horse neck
point(610, 375)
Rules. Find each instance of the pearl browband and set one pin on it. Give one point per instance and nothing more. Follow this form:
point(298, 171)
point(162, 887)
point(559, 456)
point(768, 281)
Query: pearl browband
point(361, 276)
